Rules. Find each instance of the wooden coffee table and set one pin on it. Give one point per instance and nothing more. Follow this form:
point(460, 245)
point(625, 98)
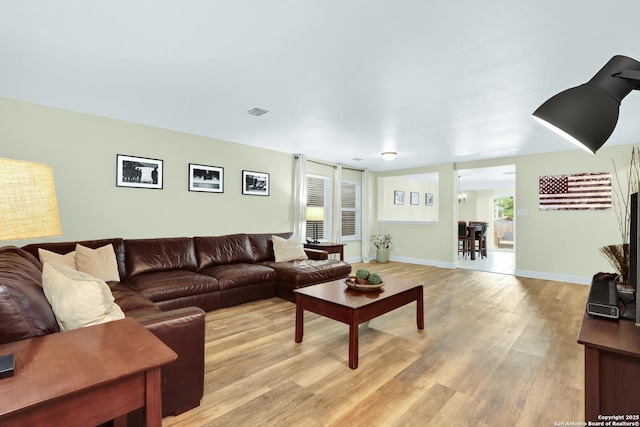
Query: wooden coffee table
point(353, 307)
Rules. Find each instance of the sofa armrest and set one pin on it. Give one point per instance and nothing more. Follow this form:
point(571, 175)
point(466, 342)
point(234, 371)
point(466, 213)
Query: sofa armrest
point(316, 253)
point(182, 380)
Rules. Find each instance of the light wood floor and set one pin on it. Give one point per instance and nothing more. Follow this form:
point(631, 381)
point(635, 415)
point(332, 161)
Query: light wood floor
point(497, 350)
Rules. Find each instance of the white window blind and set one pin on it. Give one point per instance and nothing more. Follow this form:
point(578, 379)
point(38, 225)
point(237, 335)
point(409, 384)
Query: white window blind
point(350, 210)
point(317, 196)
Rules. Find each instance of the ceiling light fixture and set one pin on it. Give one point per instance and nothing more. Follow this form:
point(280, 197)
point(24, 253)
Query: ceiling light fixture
point(587, 114)
point(389, 155)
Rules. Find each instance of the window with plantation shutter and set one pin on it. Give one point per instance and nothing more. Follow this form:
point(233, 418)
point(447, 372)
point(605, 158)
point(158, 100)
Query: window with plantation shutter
point(350, 210)
point(317, 196)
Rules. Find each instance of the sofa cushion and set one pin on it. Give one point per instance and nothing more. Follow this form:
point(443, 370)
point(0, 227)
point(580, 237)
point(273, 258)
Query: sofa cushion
point(150, 255)
point(77, 298)
point(308, 272)
point(167, 285)
point(217, 250)
point(100, 263)
point(132, 303)
point(65, 259)
point(287, 250)
point(236, 275)
point(26, 313)
point(262, 245)
point(66, 247)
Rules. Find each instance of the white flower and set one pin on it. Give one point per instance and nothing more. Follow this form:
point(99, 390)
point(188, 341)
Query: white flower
point(381, 241)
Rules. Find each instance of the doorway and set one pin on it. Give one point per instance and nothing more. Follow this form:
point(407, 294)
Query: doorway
point(488, 195)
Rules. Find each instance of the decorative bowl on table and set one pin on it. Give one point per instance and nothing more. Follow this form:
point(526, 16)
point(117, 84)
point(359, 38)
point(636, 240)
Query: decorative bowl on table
point(364, 281)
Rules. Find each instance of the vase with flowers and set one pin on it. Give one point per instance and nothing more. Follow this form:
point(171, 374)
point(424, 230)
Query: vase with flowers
point(382, 242)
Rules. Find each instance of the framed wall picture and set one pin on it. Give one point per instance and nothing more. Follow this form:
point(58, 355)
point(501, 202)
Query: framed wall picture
point(415, 198)
point(398, 197)
point(209, 179)
point(428, 199)
point(138, 172)
point(255, 183)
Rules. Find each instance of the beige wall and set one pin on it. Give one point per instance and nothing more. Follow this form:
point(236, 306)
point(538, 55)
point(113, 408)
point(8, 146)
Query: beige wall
point(389, 211)
point(564, 244)
point(427, 243)
point(555, 245)
point(82, 150)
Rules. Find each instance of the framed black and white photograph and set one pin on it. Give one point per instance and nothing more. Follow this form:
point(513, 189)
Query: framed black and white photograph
point(255, 183)
point(428, 199)
point(138, 172)
point(398, 197)
point(209, 179)
point(415, 198)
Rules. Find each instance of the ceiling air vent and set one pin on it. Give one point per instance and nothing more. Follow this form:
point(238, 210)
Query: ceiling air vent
point(257, 111)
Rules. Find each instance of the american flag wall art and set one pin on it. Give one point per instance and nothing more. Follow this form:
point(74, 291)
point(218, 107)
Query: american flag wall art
point(582, 191)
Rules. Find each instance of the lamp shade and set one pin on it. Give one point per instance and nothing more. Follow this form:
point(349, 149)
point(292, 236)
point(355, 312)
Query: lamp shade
point(389, 155)
point(28, 206)
point(314, 213)
point(587, 114)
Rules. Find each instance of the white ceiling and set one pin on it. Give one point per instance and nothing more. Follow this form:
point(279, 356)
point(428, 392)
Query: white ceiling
point(437, 81)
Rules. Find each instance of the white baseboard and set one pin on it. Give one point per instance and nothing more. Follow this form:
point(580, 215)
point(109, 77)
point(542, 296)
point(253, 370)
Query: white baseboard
point(418, 261)
point(521, 273)
point(553, 277)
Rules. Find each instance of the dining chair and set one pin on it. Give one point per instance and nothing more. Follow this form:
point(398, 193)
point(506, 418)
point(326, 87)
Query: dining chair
point(463, 239)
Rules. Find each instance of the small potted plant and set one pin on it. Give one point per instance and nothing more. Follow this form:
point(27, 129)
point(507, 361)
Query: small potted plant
point(382, 242)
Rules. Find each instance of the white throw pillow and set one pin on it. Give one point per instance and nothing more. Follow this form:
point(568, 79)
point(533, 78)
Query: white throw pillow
point(78, 299)
point(100, 263)
point(68, 259)
point(287, 250)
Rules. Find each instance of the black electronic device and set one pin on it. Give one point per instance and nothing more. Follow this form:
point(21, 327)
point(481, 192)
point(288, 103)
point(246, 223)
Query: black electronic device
point(7, 364)
point(603, 299)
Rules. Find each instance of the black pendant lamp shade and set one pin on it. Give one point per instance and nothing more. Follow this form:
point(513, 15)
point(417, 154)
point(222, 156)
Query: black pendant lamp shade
point(587, 114)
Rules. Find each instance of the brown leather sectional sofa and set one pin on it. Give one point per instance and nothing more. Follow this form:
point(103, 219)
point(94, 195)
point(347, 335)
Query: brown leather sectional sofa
point(167, 284)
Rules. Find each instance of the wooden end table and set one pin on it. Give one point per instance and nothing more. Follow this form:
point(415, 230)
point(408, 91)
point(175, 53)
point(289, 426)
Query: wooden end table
point(338, 302)
point(84, 377)
point(611, 367)
point(332, 248)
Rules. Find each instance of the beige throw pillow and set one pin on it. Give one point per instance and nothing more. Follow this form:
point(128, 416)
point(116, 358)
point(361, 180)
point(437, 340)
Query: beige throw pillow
point(78, 299)
point(287, 250)
point(100, 263)
point(68, 259)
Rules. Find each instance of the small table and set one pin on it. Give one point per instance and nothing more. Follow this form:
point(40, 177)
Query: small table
point(332, 248)
point(86, 376)
point(338, 302)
